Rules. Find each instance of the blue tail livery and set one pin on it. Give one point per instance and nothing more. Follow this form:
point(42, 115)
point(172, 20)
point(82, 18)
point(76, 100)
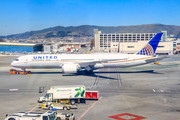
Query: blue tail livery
point(151, 46)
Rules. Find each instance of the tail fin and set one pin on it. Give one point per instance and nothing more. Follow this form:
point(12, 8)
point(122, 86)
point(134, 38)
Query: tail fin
point(150, 48)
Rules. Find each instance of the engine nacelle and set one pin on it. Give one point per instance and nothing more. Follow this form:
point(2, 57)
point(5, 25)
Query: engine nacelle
point(70, 68)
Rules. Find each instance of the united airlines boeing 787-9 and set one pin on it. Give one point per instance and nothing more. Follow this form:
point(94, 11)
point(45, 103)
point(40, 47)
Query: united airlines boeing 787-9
point(72, 63)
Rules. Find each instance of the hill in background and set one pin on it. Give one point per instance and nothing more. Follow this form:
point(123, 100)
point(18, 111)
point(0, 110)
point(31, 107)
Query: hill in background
point(88, 30)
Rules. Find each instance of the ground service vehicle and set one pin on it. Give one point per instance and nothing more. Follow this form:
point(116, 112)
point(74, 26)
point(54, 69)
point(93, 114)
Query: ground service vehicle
point(52, 105)
point(15, 116)
point(65, 116)
point(32, 116)
point(14, 71)
point(68, 94)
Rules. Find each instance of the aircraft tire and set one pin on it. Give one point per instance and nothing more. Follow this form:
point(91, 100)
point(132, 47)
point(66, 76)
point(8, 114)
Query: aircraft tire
point(72, 102)
point(50, 108)
point(65, 108)
point(11, 119)
point(88, 72)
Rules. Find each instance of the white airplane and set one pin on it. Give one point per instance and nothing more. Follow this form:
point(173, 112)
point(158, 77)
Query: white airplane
point(72, 63)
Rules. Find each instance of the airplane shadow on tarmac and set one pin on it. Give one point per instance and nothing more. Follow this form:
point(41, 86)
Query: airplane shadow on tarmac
point(99, 74)
point(46, 72)
point(102, 72)
point(76, 74)
point(144, 71)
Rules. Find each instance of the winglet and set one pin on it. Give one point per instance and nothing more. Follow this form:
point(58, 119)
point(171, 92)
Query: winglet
point(150, 48)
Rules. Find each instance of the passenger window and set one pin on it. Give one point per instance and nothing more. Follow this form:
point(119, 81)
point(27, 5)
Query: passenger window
point(51, 117)
point(46, 95)
point(45, 118)
point(58, 118)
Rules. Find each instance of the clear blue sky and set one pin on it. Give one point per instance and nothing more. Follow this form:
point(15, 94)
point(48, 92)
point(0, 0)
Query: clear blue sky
point(18, 16)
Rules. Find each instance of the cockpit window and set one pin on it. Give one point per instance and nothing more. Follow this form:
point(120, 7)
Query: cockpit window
point(16, 59)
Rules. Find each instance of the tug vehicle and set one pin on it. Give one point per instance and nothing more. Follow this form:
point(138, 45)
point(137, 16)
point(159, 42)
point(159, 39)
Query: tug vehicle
point(40, 116)
point(32, 116)
point(65, 116)
point(59, 106)
point(14, 71)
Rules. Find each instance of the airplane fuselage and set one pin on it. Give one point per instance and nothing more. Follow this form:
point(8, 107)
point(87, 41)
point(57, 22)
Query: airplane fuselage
point(72, 63)
point(95, 61)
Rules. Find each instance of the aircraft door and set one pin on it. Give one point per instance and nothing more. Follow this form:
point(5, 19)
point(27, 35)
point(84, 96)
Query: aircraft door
point(98, 59)
point(25, 60)
point(50, 97)
point(133, 59)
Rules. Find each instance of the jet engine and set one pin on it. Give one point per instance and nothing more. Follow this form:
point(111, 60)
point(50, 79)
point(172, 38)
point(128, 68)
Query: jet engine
point(70, 68)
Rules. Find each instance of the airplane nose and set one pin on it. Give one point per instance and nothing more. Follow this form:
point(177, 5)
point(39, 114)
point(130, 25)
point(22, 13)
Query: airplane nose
point(12, 64)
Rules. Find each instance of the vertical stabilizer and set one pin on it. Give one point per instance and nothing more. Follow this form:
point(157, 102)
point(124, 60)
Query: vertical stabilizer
point(150, 48)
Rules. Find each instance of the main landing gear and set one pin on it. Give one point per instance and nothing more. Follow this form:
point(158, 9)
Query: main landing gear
point(90, 72)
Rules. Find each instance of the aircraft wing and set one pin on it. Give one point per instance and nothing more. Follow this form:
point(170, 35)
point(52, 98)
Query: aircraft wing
point(90, 63)
point(84, 64)
point(158, 58)
point(162, 57)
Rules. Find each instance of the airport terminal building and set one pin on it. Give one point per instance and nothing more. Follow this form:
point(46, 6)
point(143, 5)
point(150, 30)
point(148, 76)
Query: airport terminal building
point(129, 42)
point(20, 47)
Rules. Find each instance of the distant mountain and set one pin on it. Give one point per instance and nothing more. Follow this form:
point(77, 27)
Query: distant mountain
point(88, 30)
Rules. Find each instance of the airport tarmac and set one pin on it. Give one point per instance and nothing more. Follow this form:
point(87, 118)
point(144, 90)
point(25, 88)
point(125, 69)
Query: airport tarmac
point(151, 92)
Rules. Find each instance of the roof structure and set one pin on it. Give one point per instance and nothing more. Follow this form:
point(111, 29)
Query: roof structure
point(21, 44)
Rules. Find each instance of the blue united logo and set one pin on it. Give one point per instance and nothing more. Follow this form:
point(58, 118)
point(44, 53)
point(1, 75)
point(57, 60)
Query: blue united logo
point(147, 50)
point(44, 57)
